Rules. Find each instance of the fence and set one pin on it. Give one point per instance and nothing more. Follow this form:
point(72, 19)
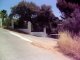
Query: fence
point(28, 30)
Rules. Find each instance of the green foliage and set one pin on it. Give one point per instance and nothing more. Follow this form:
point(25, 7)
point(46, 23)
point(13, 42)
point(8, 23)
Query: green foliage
point(71, 13)
point(3, 15)
point(7, 22)
point(45, 18)
point(40, 17)
point(67, 7)
point(24, 10)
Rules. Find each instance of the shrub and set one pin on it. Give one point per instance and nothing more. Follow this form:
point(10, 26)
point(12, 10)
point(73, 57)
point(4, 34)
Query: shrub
point(69, 40)
point(69, 45)
point(72, 24)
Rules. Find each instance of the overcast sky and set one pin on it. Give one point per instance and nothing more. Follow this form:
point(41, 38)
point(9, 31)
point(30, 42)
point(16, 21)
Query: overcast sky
point(7, 4)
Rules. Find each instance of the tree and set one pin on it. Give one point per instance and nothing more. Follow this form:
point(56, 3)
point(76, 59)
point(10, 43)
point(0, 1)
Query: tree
point(3, 15)
point(0, 14)
point(67, 7)
point(45, 18)
point(7, 22)
point(71, 13)
point(24, 11)
point(45, 15)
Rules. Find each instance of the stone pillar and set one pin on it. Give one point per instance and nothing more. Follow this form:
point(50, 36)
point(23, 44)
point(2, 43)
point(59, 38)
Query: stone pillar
point(29, 27)
point(12, 24)
point(45, 32)
point(0, 22)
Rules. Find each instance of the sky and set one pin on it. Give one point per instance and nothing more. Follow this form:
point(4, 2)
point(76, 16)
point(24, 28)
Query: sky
point(7, 4)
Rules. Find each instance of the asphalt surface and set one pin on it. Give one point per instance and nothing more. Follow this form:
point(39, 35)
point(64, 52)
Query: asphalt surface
point(14, 48)
point(17, 48)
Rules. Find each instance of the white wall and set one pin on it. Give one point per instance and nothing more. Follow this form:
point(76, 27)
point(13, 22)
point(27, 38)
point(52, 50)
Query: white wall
point(0, 22)
point(24, 30)
point(40, 34)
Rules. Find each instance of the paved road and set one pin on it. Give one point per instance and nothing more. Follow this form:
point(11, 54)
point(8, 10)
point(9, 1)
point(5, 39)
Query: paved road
point(15, 48)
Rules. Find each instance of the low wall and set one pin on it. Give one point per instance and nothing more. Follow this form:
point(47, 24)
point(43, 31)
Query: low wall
point(39, 34)
point(24, 30)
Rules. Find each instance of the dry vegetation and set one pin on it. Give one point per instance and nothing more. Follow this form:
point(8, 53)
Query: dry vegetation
point(70, 46)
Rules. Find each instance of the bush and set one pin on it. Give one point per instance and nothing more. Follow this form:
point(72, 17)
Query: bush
point(69, 45)
point(72, 24)
point(69, 40)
